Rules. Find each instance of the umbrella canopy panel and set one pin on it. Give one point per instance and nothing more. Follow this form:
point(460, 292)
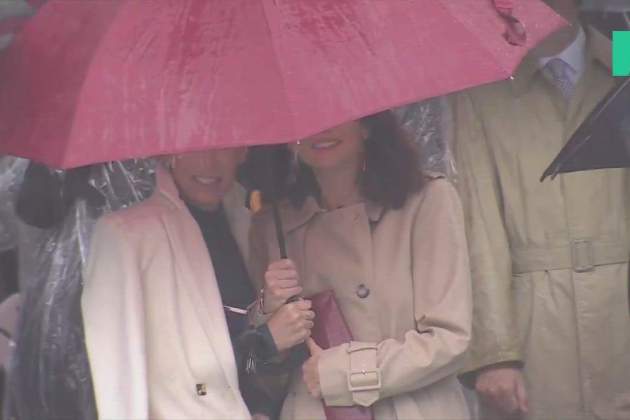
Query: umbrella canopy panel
point(86, 82)
point(602, 140)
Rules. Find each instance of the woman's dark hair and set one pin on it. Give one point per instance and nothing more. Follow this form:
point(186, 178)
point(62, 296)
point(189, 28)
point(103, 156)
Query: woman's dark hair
point(46, 196)
point(392, 170)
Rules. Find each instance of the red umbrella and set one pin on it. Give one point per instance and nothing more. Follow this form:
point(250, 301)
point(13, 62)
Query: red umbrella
point(92, 81)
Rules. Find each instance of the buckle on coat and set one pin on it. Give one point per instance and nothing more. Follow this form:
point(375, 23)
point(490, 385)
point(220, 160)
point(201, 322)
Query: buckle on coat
point(582, 255)
point(365, 380)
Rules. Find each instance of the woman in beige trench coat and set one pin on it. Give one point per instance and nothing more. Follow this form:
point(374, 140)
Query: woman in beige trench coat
point(389, 241)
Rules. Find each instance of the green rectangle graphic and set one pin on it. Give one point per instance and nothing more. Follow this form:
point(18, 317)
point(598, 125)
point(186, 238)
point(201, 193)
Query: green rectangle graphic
point(621, 53)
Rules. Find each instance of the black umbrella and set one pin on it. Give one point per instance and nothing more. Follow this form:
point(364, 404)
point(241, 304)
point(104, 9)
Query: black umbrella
point(606, 15)
point(603, 139)
point(607, 6)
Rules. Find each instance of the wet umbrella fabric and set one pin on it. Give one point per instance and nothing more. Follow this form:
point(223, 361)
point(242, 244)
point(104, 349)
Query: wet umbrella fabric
point(88, 82)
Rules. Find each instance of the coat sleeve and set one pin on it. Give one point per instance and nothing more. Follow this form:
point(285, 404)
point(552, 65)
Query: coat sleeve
point(495, 338)
point(113, 313)
point(435, 349)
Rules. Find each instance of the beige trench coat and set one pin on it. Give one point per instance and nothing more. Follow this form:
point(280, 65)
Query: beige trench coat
point(414, 324)
point(548, 259)
point(154, 321)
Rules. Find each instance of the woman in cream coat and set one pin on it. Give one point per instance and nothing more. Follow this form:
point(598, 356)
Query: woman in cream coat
point(389, 241)
point(155, 327)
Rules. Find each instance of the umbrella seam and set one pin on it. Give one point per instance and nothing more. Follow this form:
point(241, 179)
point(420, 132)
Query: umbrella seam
point(278, 67)
point(508, 73)
point(82, 94)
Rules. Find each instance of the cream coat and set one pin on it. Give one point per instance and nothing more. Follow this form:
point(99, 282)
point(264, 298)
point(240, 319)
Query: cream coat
point(415, 323)
point(548, 259)
point(154, 321)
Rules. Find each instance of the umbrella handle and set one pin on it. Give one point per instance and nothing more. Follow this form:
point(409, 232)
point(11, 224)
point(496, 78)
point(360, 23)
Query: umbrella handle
point(279, 231)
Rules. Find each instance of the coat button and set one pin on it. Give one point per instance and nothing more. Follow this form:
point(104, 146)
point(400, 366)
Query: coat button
point(363, 291)
point(201, 389)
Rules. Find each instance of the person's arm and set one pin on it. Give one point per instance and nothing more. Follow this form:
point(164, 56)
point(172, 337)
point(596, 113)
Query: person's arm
point(288, 324)
point(113, 313)
point(442, 312)
point(495, 361)
point(260, 392)
point(494, 329)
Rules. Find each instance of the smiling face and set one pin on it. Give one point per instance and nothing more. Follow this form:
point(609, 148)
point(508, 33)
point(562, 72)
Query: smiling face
point(333, 148)
point(203, 178)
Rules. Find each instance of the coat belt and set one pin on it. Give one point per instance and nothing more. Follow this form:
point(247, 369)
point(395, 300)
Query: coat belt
point(580, 255)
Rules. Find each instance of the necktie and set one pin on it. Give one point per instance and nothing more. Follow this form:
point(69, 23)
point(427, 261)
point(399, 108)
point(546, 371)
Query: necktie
point(561, 76)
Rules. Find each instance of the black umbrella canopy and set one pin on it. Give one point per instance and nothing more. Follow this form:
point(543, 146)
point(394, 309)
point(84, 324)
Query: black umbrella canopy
point(607, 16)
point(609, 6)
point(603, 139)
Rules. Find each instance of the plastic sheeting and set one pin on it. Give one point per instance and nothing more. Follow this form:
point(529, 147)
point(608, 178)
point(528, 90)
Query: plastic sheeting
point(427, 123)
point(49, 373)
point(11, 172)
point(13, 14)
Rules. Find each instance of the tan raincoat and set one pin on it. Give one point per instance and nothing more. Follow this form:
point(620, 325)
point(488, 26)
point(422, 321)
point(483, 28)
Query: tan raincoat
point(548, 259)
point(401, 278)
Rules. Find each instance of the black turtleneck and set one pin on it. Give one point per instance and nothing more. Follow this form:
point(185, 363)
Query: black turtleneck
point(229, 267)
point(236, 291)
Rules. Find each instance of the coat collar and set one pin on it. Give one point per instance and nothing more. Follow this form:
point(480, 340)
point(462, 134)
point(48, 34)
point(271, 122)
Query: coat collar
point(293, 218)
point(165, 187)
point(598, 51)
point(239, 217)
point(192, 258)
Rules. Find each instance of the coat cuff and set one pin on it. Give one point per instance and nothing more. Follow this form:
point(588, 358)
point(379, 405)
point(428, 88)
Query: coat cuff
point(489, 359)
point(349, 375)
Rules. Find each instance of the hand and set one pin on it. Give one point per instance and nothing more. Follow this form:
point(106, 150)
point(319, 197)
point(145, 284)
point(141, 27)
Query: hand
point(504, 388)
point(291, 324)
point(310, 370)
point(281, 283)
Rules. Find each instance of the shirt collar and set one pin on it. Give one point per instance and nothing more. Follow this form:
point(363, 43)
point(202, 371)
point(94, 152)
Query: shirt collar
point(596, 50)
point(574, 55)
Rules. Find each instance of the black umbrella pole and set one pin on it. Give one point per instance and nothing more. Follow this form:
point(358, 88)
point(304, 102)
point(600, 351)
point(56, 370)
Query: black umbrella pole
point(279, 231)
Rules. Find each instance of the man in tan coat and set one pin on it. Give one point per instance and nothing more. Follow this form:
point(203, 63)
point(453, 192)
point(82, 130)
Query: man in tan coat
point(551, 334)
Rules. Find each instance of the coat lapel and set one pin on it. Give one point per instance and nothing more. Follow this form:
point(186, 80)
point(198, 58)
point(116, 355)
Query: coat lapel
point(197, 276)
point(597, 54)
point(594, 58)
